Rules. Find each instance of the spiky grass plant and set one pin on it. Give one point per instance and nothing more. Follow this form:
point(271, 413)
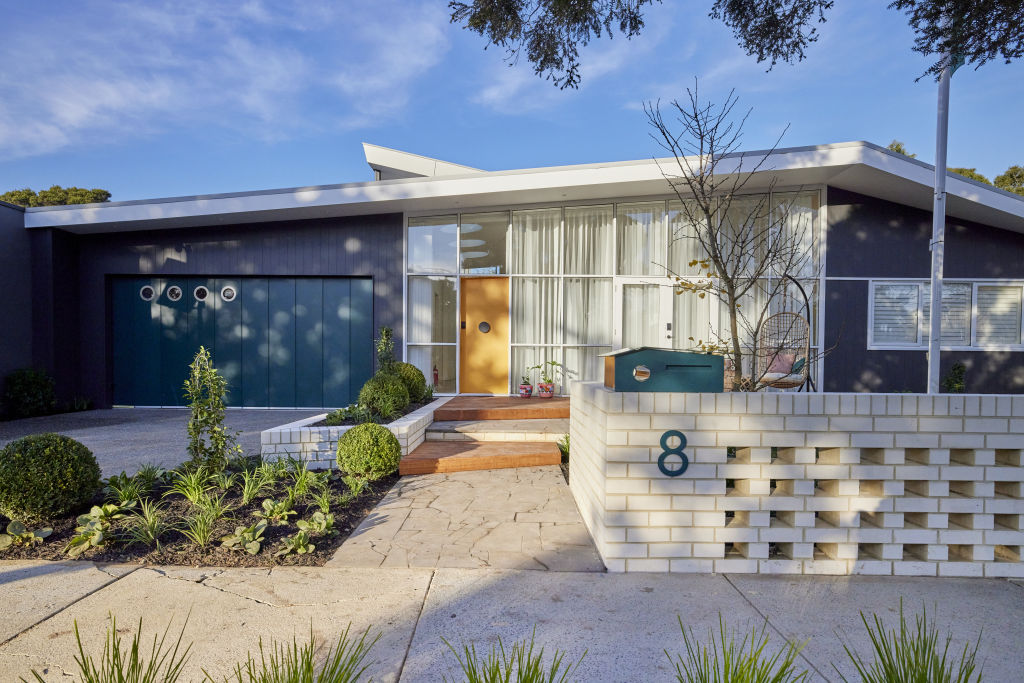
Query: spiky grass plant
point(164, 664)
point(302, 479)
point(345, 662)
point(225, 480)
point(322, 498)
point(522, 663)
point(913, 654)
point(253, 482)
point(215, 507)
point(191, 483)
point(148, 524)
point(199, 528)
point(122, 489)
point(727, 661)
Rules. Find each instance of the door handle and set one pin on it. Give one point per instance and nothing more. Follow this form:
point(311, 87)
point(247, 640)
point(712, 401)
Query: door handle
point(463, 324)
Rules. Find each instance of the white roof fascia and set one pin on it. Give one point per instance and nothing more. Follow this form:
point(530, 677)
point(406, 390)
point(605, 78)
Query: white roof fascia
point(861, 167)
point(407, 164)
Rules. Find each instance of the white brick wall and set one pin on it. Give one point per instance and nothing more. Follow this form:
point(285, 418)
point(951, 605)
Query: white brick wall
point(318, 446)
point(896, 484)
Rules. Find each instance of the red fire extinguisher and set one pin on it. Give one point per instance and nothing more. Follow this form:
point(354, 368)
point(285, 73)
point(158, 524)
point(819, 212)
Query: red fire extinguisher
point(435, 375)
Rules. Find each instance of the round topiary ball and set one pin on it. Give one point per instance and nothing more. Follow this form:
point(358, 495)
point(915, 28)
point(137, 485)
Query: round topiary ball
point(369, 450)
point(384, 394)
point(46, 476)
point(413, 379)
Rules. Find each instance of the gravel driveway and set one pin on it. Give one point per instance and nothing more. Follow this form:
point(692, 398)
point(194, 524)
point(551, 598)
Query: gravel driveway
point(128, 438)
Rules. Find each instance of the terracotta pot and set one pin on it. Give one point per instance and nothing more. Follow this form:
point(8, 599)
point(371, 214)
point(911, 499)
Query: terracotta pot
point(525, 390)
point(545, 389)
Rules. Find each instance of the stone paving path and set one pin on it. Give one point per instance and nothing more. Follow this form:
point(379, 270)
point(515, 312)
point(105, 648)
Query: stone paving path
point(523, 518)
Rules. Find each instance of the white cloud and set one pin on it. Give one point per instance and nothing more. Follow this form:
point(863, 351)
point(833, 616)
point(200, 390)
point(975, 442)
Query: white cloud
point(115, 69)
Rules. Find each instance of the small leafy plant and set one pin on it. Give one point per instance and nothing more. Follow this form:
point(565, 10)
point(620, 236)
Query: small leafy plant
point(122, 489)
point(353, 412)
point(18, 534)
point(224, 481)
point(215, 507)
point(92, 534)
point(523, 662)
point(355, 484)
point(209, 443)
point(322, 499)
point(319, 524)
point(192, 484)
point(726, 660)
point(912, 654)
point(253, 482)
point(105, 514)
point(954, 382)
point(302, 478)
point(277, 512)
point(547, 371)
point(297, 543)
point(247, 538)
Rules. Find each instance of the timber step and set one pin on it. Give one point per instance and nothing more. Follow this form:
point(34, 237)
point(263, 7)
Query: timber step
point(461, 456)
point(499, 430)
point(466, 408)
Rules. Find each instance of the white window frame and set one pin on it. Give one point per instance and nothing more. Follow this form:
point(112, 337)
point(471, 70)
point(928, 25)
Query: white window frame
point(922, 332)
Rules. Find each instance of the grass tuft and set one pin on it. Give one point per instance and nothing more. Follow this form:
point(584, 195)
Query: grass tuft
point(522, 663)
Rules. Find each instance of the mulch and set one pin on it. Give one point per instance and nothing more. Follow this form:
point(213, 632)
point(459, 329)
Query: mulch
point(176, 549)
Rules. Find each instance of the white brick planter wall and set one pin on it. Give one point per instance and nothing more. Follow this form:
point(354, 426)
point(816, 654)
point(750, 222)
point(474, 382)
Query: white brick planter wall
point(803, 483)
point(318, 446)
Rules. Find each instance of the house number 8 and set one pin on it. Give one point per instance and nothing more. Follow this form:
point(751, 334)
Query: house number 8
point(677, 450)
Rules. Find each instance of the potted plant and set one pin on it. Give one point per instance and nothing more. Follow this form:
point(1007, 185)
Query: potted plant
point(546, 387)
point(525, 386)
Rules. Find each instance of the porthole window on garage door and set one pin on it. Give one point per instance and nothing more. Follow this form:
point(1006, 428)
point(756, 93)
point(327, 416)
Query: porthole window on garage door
point(147, 293)
point(174, 293)
point(200, 293)
point(228, 294)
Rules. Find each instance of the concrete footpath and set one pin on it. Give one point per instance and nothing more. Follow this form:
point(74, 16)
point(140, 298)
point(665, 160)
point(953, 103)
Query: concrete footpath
point(624, 622)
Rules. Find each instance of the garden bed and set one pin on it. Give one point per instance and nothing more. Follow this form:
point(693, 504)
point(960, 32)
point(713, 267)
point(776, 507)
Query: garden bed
point(376, 419)
point(176, 549)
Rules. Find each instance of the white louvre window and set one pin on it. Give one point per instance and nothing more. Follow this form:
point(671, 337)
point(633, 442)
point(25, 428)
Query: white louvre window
point(999, 314)
point(895, 314)
point(956, 313)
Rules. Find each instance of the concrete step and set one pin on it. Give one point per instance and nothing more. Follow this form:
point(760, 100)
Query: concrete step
point(463, 408)
point(498, 430)
point(462, 456)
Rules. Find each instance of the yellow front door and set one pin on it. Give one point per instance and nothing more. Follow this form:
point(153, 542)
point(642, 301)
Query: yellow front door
point(483, 367)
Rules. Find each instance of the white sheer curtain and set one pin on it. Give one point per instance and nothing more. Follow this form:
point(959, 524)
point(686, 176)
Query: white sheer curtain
point(588, 240)
point(588, 311)
point(534, 246)
point(432, 309)
point(797, 214)
point(641, 315)
point(524, 357)
point(691, 317)
point(536, 310)
point(642, 239)
point(683, 244)
point(584, 362)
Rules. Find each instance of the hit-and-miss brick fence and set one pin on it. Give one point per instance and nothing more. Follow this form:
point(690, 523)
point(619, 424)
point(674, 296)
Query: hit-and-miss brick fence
point(802, 483)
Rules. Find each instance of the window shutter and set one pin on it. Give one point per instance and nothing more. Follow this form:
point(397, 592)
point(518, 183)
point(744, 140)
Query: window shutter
point(895, 314)
point(956, 313)
point(999, 314)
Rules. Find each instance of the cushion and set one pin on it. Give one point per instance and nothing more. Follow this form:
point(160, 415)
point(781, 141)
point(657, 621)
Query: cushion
point(782, 363)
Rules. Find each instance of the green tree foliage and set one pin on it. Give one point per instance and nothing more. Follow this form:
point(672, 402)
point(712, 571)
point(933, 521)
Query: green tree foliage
point(209, 442)
point(900, 148)
point(971, 173)
point(55, 196)
point(1012, 180)
point(550, 32)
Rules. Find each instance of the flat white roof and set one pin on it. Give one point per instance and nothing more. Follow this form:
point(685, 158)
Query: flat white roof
point(856, 166)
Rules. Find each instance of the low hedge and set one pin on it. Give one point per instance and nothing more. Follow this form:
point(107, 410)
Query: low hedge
point(369, 451)
point(384, 394)
point(46, 476)
point(413, 379)
point(28, 393)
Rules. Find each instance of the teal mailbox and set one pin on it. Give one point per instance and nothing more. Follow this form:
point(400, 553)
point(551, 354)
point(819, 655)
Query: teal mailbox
point(652, 369)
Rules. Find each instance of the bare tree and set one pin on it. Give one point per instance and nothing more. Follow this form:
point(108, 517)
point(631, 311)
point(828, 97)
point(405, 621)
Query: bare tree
point(750, 251)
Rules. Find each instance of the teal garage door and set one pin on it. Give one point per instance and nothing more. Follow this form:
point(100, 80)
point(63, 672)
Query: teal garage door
point(279, 342)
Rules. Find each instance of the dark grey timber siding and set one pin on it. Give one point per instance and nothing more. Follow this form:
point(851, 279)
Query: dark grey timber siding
point(16, 284)
point(872, 238)
point(369, 246)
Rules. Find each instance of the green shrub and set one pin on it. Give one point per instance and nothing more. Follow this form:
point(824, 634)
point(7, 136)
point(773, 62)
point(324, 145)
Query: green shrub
point(385, 345)
point(28, 393)
point(953, 382)
point(46, 476)
point(369, 451)
point(384, 394)
point(209, 443)
point(413, 379)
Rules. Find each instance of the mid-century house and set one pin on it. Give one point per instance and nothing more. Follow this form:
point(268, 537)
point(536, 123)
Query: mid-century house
point(484, 273)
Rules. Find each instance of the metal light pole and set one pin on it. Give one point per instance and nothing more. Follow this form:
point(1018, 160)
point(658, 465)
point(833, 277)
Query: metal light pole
point(938, 227)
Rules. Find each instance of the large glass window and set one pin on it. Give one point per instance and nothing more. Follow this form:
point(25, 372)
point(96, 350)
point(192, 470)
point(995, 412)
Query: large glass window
point(894, 314)
point(956, 313)
point(536, 310)
point(684, 247)
point(483, 240)
point(432, 244)
point(588, 240)
point(588, 311)
point(642, 238)
point(641, 315)
point(796, 216)
point(691, 317)
point(534, 247)
point(437, 363)
point(999, 314)
point(433, 309)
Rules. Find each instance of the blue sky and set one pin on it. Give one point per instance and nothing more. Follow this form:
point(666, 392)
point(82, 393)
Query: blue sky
point(154, 99)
